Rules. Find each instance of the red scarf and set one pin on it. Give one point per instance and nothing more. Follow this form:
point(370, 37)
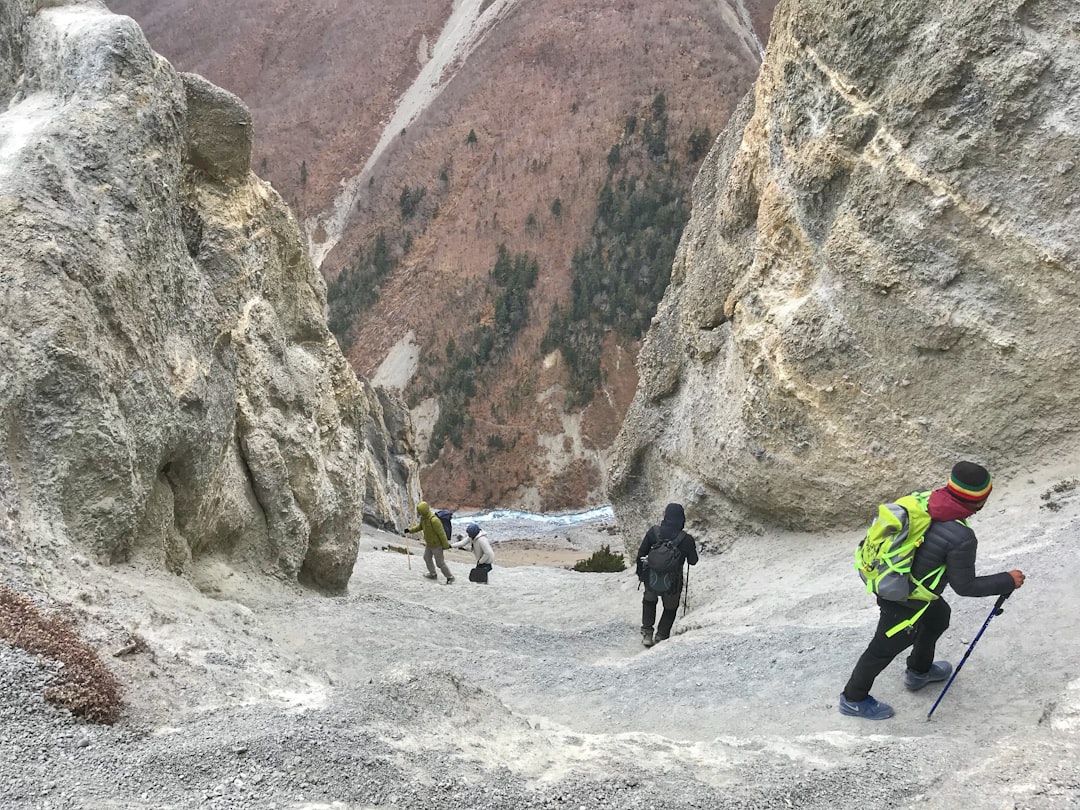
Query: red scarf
point(943, 506)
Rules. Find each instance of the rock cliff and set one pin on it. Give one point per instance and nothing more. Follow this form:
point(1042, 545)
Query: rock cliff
point(169, 390)
point(880, 272)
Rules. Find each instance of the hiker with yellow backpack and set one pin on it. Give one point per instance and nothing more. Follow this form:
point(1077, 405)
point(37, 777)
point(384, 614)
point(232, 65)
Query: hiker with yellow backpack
point(913, 549)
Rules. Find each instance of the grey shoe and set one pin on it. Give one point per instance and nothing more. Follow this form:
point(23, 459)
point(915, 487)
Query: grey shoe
point(658, 638)
point(449, 580)
point(938, 672)
point(431, 576)
point(646, 637)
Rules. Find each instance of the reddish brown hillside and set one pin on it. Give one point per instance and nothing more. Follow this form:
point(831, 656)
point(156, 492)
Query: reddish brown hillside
point(514, 151)
point(318, 76)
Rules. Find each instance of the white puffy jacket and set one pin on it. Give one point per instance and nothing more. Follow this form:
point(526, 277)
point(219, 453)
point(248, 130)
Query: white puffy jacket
point(480, 547)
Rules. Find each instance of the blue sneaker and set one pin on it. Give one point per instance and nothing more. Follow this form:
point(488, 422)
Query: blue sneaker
point(938, 672)
point(870, 709)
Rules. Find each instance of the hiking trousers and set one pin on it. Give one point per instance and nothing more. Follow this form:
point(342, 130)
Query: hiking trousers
point(433, 555)
point(667, 618)
point(921, 637)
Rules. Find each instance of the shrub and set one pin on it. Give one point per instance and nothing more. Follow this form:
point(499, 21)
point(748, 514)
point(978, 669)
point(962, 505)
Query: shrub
point(700, 143)
point(409, 200)
point(85, 686)
point(604, 561)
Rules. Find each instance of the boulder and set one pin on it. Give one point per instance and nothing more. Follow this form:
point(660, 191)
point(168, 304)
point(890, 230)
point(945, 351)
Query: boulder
point(218, 130)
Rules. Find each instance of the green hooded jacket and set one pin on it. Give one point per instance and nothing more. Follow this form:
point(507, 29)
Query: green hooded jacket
point(434, 535)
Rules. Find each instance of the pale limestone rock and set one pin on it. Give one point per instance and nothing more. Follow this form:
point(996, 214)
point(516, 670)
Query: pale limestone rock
point(169, 391)
point(880, 273)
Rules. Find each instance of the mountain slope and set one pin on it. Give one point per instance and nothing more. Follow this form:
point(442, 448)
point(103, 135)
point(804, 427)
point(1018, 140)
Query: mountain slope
point(514, 149)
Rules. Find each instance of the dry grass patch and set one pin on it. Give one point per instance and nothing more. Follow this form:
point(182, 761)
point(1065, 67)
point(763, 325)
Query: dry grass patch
point(85, 685)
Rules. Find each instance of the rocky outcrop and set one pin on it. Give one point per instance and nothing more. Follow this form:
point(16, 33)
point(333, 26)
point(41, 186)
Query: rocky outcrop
point(880, 274)
point(169, 390)
point(218, 130)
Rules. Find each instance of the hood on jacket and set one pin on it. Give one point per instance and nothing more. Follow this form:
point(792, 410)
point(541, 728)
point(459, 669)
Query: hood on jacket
point(943, 505)
point(674, 520)
point(423, 509)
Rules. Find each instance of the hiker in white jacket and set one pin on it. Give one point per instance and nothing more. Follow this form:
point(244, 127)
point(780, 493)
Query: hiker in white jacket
point(476, 540)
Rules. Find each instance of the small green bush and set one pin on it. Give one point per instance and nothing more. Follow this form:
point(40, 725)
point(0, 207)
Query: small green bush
point(604, 561)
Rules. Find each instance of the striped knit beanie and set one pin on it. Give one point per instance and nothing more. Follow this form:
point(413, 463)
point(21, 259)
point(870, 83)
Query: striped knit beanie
point(969, 482)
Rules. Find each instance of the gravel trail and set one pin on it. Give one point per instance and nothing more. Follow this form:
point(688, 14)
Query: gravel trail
point(534, 691)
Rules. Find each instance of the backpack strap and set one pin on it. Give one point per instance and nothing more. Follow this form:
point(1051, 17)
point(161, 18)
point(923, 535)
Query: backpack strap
point(921, 591)
point(892, 631)
point(674, 540)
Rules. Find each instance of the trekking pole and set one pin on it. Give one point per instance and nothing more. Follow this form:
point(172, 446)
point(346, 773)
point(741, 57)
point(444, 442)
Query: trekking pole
point(686, 592)
point(995, 611)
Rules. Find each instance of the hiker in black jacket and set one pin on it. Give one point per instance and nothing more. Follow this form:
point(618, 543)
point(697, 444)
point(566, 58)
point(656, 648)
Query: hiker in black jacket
point(663, 587)
point(948, 542)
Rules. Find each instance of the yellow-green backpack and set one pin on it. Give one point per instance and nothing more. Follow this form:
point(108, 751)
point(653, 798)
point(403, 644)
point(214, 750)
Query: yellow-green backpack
point(884, 557)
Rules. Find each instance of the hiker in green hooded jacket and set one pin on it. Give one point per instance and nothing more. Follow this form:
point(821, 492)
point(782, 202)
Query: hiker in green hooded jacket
point(435, 541)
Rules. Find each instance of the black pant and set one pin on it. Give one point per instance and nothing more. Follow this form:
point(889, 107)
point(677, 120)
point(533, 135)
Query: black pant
point(921, 637)
point(667, 618)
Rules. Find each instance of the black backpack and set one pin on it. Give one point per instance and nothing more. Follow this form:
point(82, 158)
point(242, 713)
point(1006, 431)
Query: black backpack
point(663, 565)
point(444, 515)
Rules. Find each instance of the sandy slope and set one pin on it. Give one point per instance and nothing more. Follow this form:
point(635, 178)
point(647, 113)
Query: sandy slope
point(535, 692)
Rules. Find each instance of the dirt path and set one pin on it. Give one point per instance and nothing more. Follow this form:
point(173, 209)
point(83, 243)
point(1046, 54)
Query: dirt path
point(534, 691)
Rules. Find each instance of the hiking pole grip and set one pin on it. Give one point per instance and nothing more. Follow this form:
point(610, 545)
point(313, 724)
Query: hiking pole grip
point(996, 610)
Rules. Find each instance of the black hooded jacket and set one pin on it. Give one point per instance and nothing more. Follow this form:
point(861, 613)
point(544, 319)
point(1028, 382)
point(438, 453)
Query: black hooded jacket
point(670, 526)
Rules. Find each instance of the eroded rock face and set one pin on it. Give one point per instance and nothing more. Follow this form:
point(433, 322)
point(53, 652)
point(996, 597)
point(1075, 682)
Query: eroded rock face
point(168, 387)
point(880, 273)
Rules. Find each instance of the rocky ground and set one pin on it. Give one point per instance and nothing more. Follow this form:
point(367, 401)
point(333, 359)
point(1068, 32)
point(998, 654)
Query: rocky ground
point(534, 691)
